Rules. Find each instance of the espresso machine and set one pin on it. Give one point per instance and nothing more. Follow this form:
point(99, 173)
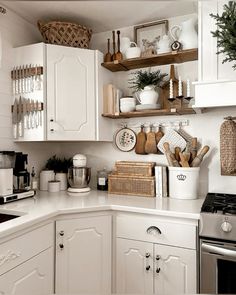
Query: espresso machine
point(14, 177)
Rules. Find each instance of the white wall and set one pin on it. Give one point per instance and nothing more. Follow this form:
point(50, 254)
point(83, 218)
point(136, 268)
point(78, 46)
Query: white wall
point(17, 32)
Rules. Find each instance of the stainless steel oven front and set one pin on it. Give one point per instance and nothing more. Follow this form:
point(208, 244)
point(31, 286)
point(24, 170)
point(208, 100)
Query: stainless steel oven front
point(217, 267)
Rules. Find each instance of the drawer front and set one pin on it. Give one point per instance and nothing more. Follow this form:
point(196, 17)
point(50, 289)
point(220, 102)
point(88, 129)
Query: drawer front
point(22, 248)
point(155, 230)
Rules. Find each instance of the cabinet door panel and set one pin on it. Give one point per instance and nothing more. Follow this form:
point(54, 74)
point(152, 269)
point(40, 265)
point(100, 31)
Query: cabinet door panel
point(84, 264)
point(131, 263)
point(34, 276)
point(70, 93)
point(175, 270)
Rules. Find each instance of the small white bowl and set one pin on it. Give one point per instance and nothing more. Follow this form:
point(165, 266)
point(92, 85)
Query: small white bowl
point(127, 107)
point(128, 100)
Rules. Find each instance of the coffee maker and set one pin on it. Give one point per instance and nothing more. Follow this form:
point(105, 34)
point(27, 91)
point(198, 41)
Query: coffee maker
point(21, 181)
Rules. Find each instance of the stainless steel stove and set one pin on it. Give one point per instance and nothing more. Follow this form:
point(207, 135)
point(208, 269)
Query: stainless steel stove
point(217, 233)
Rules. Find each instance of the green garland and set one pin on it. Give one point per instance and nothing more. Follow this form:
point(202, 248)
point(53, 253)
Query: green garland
point(226, 32)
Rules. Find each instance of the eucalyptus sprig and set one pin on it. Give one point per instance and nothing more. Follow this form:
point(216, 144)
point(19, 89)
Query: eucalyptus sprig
point(226, 32)
point(145, 78)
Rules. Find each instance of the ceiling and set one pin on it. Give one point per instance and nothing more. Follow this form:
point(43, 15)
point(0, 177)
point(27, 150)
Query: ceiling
point(101, 16)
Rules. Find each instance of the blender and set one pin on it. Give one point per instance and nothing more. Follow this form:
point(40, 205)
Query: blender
point(79, 175)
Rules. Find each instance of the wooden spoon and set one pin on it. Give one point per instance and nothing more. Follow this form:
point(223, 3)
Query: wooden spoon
point(114, 45)
point(108, 56)
point(119, 55)
point(183, 160)
point(170, 157)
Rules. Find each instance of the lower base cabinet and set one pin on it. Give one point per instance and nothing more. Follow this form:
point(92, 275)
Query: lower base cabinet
point(83, 255)
point(35, 276)
point(147, 268)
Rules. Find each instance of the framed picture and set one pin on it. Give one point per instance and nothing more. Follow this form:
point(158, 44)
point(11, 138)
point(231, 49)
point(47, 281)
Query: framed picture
point(147, 35)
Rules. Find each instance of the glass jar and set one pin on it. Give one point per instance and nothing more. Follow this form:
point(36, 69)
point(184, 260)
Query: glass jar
point(102, 180)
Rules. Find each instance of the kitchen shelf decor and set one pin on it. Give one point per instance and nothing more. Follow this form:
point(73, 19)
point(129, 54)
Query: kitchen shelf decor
point(156, 60)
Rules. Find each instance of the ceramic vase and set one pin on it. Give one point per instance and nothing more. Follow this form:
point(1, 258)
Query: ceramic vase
point(148, 95)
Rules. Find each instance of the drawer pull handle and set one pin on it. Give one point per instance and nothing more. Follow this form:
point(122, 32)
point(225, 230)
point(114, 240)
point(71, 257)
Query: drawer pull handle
point(148, 267)
point(61, 233)
point(158, 257)
point(158, 270)
point(153, 229)
point(147, 255)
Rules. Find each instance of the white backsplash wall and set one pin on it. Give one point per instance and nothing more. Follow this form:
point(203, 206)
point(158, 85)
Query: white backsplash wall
point(15, 31)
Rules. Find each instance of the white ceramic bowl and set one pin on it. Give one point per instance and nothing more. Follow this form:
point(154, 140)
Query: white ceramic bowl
point(127, 107)
point(124, 100)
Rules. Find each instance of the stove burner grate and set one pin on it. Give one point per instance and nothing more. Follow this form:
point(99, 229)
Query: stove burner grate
point(219, 203)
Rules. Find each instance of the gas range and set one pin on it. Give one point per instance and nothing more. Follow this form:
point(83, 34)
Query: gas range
point(218, 217)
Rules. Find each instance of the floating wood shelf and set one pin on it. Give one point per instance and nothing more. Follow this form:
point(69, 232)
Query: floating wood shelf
point(149, 113)
point(156, 60)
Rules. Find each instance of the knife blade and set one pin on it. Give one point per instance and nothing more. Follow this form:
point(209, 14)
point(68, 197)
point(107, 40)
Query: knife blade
point(20, 119)
point(15, 119)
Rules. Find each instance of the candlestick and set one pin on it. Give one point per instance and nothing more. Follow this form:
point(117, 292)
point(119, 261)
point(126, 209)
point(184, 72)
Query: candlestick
point(171, 89)
point(180, 87)
point(188, 88)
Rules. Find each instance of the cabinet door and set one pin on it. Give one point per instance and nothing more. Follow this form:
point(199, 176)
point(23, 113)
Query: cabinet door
point(175, 270)
point(70, 93)
point(83, 265)
point(35, 276)
point(134, 267)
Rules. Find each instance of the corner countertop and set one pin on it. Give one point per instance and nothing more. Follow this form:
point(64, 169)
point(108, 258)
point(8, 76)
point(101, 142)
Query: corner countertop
point(47, 205)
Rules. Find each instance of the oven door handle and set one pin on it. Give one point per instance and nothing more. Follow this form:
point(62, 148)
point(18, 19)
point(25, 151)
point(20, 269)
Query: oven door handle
point(218, 250)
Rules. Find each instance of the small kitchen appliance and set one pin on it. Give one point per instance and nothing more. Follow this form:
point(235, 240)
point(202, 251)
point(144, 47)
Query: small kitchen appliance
point(79, 175)
point(218, 244)
point(8, 164)
point(21, 175)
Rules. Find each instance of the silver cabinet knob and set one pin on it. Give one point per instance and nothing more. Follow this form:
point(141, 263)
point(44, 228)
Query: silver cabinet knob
point(158, 270)
point(61, 246)
point(148, 267)
point(61, 233)
point(158, 257)
point(147, 255)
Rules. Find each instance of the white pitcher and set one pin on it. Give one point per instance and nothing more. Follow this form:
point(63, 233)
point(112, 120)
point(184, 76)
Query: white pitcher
point(187, 34)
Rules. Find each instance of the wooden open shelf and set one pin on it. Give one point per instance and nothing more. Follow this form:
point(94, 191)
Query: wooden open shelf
point(156, 60)
point(149, 113)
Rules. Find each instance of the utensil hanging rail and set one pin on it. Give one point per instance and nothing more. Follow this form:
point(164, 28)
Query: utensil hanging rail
point(26, 72)
point(33, 106)
point(175, 123)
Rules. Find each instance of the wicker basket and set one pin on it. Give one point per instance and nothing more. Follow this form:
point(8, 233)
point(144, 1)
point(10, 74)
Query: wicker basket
point(135, 168)
point(228, 147)
point(63, 33)
point(131, 185)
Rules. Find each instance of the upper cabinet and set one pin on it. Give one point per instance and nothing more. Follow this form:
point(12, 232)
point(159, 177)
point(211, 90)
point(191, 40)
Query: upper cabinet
point(216, 84)
point(72, 93)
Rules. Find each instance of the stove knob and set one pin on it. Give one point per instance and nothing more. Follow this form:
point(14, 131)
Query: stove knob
point(226, 226)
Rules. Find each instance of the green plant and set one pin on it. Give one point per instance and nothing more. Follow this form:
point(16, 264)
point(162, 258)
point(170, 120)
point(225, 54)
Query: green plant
point(145, 78)
point(226, 32)
point(58, 165)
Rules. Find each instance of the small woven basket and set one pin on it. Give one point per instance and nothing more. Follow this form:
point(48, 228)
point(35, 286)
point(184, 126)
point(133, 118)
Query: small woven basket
point(228, 147)
point(135, 168)
point(64, 33)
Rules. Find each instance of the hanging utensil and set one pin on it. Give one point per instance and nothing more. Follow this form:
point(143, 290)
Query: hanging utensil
point(32, 114)
point(151, 145)
point(24, 112)
point(141, 141)
point(28, 114)
point(20, 118)
point(17, 80)
point(119, 55)
point(15, 119)
point(13, 81)
point(114, 45)
point(108, 56)
point(159, 135)
point(37, 113)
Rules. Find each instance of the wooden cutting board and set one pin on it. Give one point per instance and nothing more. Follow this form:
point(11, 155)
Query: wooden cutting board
point(141, 141)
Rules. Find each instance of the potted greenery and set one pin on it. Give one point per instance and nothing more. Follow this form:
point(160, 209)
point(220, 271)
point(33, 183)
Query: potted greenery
point(60, 167)
point(226, 32)
point(147, 84)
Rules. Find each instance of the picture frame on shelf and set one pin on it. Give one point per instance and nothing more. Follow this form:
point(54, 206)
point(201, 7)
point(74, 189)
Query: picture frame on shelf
point(147, 35)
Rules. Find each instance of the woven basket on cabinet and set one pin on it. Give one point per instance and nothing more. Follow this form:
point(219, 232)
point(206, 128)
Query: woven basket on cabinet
point(64, 33)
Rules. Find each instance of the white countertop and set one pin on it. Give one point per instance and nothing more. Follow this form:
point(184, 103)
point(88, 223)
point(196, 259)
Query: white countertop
point(48, 205)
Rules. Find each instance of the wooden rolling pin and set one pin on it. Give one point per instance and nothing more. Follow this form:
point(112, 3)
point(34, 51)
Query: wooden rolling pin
point(193, 149)
point(183, 160)
point(197, 161)
point(169, 156)
point(177, 151)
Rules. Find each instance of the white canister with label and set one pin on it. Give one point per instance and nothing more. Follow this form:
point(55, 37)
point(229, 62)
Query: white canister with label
point(44, 177)
point(54, 186)
point(183, 182)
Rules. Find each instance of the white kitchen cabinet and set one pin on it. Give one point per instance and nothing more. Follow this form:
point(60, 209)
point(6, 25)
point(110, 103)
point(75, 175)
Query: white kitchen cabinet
point(147, 259)
point(83, 255)
point(27, 262)
point(72, 93)
point(134, 267)
point(35, 276)
point(174, 271)
point(216, 83)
